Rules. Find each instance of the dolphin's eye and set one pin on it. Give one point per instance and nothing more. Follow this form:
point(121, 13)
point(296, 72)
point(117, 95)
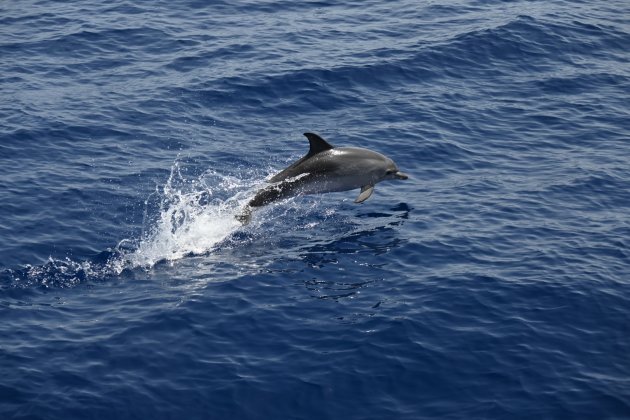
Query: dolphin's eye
point(390, 172)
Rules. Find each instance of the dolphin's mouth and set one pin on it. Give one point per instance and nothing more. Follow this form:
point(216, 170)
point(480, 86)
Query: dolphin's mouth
point(401, 175)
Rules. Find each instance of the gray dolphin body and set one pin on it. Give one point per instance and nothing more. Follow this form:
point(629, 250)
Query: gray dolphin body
point(326, 168)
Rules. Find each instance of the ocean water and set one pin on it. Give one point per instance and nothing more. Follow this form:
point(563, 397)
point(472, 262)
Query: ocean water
point(493, 284)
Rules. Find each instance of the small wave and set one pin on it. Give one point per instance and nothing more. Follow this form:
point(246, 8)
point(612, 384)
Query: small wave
point(53, 274)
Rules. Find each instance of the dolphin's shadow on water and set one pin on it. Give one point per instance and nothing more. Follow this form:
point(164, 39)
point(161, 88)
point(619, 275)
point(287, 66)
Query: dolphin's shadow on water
point(369, 237)
point(365, 241)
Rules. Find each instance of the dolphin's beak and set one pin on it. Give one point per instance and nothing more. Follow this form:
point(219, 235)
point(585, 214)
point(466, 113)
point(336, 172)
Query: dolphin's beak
point(400, 175)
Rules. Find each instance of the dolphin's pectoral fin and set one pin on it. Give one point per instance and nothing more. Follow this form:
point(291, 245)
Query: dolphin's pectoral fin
point(366, 192)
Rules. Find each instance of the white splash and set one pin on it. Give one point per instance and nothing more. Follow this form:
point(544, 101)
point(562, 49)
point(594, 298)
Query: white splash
point(191, 219)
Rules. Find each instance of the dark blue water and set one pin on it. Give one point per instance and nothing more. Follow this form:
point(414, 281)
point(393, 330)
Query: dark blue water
point(494, 283)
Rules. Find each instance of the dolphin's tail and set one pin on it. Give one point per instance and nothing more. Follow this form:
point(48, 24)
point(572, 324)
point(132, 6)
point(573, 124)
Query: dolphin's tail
point(246, 215)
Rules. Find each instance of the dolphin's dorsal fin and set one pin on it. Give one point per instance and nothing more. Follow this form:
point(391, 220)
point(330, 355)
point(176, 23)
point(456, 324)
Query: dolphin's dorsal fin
point(317, 143)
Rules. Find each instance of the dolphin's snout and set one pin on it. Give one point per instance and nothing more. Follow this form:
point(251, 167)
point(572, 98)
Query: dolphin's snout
point(401, 175)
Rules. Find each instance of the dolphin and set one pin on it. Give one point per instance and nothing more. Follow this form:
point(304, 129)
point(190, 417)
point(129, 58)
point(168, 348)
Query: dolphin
point(326, 168)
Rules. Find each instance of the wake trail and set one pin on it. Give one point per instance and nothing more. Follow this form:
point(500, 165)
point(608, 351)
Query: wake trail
point(183, 217)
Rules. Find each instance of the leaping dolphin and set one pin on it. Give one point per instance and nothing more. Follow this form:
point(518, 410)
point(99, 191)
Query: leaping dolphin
point(326, 168)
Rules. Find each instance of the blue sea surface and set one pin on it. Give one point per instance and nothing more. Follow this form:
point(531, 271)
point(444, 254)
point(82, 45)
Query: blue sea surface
point(494, 283)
